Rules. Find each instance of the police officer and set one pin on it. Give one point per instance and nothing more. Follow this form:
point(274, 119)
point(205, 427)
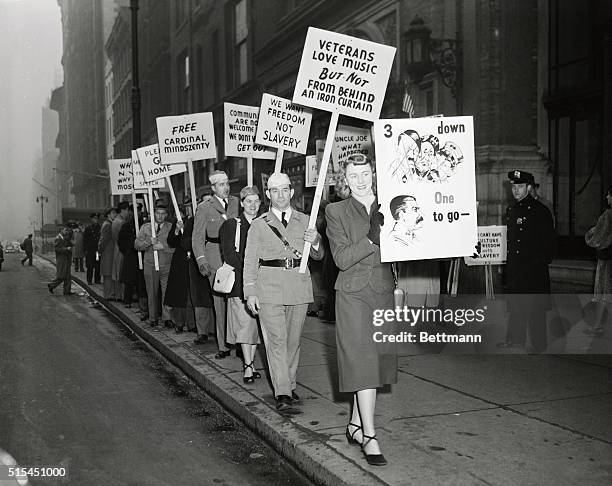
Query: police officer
point(530, 243)
point(210, 215)
point(273, 286)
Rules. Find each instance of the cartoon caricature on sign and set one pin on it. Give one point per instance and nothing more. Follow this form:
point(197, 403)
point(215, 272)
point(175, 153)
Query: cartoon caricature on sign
point(426, 187)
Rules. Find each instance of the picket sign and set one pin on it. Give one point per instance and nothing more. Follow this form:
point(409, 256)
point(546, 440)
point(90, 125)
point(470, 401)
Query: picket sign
point(152, 223)
point(346, 76)
point(121, 178)
point(186, 138)
point(284, 125)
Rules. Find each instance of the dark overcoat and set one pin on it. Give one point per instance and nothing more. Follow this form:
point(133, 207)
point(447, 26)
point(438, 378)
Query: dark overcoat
point(531, 244)
point(63, 256)
point(106, 249)
point(129, 267)
point(227, 236)
point(185, 279)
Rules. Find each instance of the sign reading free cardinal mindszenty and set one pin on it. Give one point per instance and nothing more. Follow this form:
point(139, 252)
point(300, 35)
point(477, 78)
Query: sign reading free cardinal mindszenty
point(186, 137)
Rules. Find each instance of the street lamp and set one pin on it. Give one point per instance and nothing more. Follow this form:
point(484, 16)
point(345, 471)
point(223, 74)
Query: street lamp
point(423, 55)
point(42, 199)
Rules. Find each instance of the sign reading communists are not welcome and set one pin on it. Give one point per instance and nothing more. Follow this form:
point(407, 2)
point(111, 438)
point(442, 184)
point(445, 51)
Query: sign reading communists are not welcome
point(240, 129)
point(343, 74)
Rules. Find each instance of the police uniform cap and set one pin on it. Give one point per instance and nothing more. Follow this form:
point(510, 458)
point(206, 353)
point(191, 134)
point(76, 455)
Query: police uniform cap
point(520, 177)
point(278, 179)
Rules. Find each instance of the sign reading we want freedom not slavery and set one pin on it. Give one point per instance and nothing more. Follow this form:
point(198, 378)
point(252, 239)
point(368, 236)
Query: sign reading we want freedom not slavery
point(283, 124)
point(343, 74)
point(425, 173)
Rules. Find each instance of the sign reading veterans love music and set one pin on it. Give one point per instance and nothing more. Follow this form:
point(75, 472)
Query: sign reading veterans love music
point(140, 182)
point(240, 130)
point(343, 74)
point(349, 141)
point(186, 137)
point(425, 173)
point(283, 124)
point(121, 179)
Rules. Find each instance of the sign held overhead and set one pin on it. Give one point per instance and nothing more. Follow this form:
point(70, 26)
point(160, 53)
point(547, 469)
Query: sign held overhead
point(186, 137)
point(240, 129)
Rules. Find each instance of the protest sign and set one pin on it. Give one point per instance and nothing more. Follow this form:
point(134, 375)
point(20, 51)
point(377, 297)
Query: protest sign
point(311, 171)
point(425, 173)
point(343, 74)
point(120, 174)
point(491, 247)
point(186, 138)
point(240, 130)
point(283, 125)
point(349, 141)
point(140, 183)
point(148, 157)
point(151, 165)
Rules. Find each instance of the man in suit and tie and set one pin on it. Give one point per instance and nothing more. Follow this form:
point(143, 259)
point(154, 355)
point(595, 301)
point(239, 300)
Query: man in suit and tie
point(273, 286)
point(210, 215)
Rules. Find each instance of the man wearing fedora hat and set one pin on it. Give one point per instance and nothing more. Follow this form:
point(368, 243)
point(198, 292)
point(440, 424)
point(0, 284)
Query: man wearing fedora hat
point(273, 286)
point(530, 248)
point(209, 217)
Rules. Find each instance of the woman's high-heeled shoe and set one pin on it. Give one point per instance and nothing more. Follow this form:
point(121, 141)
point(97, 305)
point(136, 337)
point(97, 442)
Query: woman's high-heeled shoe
point(373, 459)
point(256, 374)
point(350, 438)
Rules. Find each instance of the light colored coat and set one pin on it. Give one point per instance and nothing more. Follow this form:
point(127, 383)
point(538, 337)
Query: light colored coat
point(209, 217)
point(143, 243)
point(117, 255)
point(275, 285)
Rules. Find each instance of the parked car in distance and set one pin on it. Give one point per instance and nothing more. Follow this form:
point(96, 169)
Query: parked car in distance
point(14, 247)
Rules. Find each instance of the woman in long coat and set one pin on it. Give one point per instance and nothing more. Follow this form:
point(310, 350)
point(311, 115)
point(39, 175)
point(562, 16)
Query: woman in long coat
point(106, 252)
point(129, 266)
point(600, 238)
point(188, 291)
point(241, 324)
point(364, 285)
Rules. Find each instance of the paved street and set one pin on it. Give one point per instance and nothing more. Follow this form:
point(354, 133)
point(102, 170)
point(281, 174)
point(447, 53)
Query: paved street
point(78, 389)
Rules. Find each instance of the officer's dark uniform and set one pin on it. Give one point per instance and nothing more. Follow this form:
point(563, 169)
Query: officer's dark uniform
point(530, 244)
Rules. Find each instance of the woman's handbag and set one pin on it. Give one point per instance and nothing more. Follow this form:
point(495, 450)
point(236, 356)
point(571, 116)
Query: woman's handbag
point(224, 279)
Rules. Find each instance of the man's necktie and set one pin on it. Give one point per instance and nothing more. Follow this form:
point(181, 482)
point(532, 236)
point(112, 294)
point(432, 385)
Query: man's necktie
point(225, 204)
point(283, 220)
point(157, 227)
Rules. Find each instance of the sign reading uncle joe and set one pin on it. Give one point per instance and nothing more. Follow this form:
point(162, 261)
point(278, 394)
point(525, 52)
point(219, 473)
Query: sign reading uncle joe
point(343, 74)
point(425, 173)
point(240, 130)
point(186, 137)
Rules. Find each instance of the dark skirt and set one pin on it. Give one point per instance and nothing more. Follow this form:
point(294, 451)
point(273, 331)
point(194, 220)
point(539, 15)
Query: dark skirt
point(362, 363)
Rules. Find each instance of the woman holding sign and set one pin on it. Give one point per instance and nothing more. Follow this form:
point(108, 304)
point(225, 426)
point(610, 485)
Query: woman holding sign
point(364, 288)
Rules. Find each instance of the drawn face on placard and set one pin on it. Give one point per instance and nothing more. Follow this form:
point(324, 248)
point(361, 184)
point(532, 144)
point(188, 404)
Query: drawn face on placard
point(426, 160)
point(359, 179)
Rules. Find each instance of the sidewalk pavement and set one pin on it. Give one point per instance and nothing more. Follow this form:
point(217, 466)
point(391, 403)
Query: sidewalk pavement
point(451, 419)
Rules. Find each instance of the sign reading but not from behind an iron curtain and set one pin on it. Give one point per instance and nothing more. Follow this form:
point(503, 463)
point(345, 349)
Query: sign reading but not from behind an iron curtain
point(343, 74)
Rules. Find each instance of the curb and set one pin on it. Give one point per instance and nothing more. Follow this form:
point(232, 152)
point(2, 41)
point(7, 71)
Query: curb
point(303, 448)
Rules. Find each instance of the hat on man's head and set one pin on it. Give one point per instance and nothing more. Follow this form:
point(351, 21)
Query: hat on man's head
point(186, 202)
point(217, 176)
point(520, 177)
point(278, 179)
point(160, 204)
